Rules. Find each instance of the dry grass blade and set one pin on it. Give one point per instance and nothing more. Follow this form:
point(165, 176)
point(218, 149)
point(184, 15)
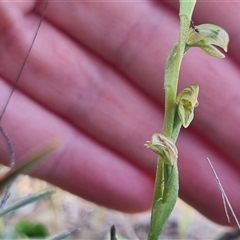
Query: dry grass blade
point(25, 201)
point(11, 165)
point(24, 61)
point(29, 163)
point(7, 139)
point(224, 196)
point(65, 234)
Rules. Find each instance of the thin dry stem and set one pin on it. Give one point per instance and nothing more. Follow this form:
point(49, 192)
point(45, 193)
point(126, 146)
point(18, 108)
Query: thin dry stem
point(224, 196)
point(7, 139)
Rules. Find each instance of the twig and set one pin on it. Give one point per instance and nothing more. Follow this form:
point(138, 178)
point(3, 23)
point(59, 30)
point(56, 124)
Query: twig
point(224, 196)
point(10, 147)
point(24, 62)
point(11, 165)
point(113, 233)
point(7, 139)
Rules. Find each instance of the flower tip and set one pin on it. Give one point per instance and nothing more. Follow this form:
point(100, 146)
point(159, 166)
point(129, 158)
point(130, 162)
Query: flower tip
point(164, 147)
point(148, 144)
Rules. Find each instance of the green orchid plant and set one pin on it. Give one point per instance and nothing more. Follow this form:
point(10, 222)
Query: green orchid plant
point(179, 111)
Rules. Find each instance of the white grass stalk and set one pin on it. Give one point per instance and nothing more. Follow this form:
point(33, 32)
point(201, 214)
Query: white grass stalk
point(224, 196)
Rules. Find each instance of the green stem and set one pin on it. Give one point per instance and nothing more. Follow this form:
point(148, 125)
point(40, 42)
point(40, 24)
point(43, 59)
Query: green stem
point(170, 85)
point(171, 77)
point(166, 182)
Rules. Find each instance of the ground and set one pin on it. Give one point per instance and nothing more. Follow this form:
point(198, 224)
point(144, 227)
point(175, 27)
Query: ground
point(65, 211)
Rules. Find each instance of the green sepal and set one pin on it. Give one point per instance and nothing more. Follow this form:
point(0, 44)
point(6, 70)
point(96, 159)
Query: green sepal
point(207, 37)
point(186, 102)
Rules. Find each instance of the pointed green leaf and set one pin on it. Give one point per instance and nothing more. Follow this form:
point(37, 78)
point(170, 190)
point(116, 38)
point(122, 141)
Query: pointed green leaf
point(164, 206)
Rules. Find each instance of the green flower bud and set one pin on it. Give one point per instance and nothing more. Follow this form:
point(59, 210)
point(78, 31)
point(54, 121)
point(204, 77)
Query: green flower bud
point(186, 102)
point(207, 37)
point(164, 147)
